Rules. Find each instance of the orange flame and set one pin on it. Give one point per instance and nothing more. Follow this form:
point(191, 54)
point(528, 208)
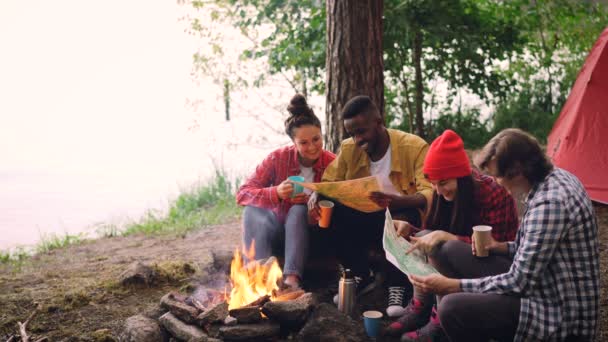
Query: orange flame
point(252, 280)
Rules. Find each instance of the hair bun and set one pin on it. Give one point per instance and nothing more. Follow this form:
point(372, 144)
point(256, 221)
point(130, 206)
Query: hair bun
point(298, 105)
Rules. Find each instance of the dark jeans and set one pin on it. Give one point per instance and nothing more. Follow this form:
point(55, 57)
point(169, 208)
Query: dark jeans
point(475, 316)
point(359, 234)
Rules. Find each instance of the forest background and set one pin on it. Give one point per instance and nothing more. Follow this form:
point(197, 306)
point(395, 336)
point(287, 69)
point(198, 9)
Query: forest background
point(517, 59)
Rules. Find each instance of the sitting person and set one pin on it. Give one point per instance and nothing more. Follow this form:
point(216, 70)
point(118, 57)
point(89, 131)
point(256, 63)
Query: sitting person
point(463, 198)
point(273, 219)
point(396, 158)
point(550, 291)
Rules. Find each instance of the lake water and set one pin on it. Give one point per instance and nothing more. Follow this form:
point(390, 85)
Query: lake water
point(101, 118)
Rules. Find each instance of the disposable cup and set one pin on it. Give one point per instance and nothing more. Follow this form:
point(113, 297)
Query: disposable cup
point(482, 239)
point(326, 210)
point(371, 321)
point(297, 188)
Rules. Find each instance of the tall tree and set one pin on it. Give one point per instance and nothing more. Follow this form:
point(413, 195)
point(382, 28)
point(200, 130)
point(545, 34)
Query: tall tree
point(354, 64)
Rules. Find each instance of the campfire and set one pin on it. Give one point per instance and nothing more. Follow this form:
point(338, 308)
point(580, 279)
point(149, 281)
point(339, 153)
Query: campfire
point(255, 306)
point(253, 280)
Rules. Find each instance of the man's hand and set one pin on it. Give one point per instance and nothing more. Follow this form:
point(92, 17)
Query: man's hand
point(382, 199)
point(314, 212)
point(493, 246)
point(429, 241)
point(403, 228)
point(435, 284)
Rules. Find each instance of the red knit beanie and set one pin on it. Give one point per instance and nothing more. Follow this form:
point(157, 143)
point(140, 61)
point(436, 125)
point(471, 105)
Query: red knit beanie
point(446, 158)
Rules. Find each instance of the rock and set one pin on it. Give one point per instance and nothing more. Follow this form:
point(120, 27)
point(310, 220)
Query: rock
point(230, 320)
point(141, 329)
point(222, 260)
point(249, 332)
point(247, 314)
point(103, 335)
point(181, 310)
point(181, 330)
point(291, 313)
point(213, 330)
point(137, 274)
point(215, 314)
point(328, 324)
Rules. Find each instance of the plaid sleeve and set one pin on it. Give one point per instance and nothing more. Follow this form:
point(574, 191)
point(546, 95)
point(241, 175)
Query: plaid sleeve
point(544, 225)
point(258, 190)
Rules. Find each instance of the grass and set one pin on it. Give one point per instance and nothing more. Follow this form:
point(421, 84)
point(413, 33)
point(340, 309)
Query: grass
point(197, 207)
point(202, 205)
point(51, 242)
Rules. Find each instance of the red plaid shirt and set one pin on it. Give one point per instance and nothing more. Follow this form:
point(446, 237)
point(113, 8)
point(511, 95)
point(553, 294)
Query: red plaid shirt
point(496, 208)
point(260, 189)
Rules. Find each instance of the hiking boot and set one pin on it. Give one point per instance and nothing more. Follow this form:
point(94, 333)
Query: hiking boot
point(431, 332)
point(395, 301)
point(416, 315)
point(365, 284)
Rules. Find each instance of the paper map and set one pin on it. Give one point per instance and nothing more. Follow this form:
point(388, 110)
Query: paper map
point(352, 193)
point(395, 248)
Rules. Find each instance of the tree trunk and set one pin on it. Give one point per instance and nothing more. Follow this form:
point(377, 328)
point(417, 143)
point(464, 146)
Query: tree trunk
point(419, 89)
point(354, 60)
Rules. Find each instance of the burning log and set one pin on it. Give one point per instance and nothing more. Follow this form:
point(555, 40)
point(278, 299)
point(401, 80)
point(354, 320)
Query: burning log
point(260, 301)
point(284, 296)
point(247, 314)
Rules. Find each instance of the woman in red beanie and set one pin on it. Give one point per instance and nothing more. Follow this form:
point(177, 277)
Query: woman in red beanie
point(463, 198)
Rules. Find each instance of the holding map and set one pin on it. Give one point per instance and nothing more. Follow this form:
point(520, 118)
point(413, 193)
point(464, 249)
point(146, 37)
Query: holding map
point(352, 193)
point(395, 248)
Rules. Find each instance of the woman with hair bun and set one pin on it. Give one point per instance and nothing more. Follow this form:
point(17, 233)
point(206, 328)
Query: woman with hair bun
point(274, 221)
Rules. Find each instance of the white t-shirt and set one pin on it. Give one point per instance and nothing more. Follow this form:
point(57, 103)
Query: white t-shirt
point(382, 169)
point(309, 176)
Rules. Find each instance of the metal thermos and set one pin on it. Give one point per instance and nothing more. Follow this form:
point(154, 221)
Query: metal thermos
point(346, 292)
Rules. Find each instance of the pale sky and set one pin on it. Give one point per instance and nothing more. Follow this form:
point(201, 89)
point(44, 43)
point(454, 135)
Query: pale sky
point(78, 78)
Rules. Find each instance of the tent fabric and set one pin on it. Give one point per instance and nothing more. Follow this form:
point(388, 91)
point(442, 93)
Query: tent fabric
point(578, 141)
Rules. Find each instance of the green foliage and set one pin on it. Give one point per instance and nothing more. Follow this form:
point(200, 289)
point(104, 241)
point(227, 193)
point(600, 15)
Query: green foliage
point(461, 41)
point(194, 208)
point(468, 124)
point(521, 56)
point(559, 35)
point(526, 110)
point(288, 35)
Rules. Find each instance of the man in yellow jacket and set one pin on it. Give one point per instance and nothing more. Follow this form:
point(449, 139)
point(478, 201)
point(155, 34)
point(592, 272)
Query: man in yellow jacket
point(396, 158)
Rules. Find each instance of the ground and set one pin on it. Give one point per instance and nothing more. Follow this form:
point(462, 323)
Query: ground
point(80, 300)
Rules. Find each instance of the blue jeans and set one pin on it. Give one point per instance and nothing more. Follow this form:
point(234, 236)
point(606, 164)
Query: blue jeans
point(261, 225)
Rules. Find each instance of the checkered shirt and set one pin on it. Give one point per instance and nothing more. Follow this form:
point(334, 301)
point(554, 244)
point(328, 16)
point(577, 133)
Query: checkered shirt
point(260, 189)
point(555, 266)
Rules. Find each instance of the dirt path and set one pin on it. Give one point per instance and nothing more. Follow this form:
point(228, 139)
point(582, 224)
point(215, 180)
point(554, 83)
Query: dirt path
point(81, 301)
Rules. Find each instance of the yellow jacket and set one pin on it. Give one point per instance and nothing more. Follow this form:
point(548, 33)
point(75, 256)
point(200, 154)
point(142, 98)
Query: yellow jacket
point(407, 158)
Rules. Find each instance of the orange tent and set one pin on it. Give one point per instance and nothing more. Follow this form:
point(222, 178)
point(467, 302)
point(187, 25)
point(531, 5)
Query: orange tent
point(578, 141)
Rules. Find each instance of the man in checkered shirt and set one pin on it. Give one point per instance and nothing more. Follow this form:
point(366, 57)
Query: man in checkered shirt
point(551, 290)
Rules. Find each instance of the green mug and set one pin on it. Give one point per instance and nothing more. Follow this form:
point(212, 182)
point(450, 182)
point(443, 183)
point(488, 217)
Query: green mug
point(297, 188)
